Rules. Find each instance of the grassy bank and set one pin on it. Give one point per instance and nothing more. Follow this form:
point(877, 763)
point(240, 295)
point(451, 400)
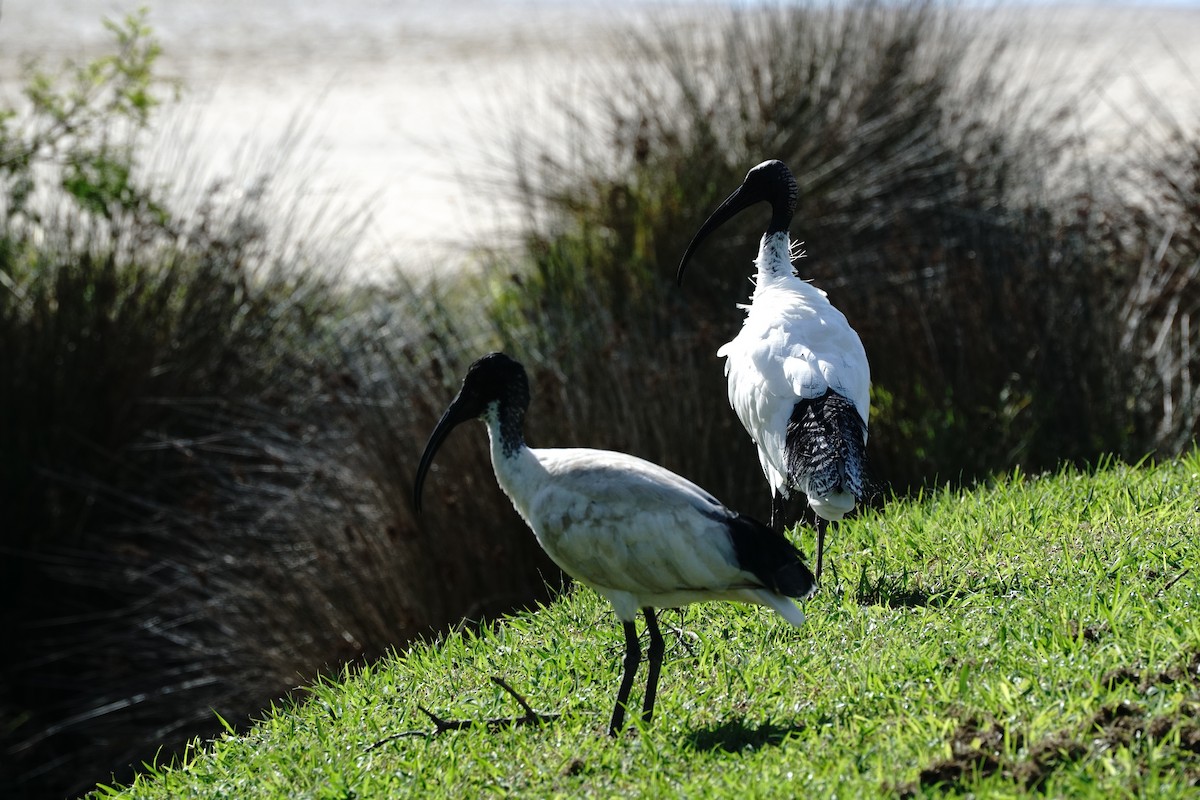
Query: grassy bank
point(1037, 633)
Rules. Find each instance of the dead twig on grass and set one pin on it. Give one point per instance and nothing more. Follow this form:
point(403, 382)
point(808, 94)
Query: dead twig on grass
point(530, 717)
point(1173, 581)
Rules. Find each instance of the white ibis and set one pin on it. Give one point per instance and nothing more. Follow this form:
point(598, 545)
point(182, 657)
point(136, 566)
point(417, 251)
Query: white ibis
point(798, 375)
point(637, 533)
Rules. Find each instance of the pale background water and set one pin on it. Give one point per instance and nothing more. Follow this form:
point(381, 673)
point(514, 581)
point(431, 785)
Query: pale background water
point(399, 100)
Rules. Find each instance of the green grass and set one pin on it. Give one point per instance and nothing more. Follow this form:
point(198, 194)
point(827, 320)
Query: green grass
point(1037, 634)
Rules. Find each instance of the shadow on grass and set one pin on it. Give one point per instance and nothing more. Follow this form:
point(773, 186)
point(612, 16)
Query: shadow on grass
point(738, 735)
point(898, 591)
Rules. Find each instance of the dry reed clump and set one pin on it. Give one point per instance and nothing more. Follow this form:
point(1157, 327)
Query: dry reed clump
point(1159, 244)
point(195, 521)
point(207, 475)
point(207, 470)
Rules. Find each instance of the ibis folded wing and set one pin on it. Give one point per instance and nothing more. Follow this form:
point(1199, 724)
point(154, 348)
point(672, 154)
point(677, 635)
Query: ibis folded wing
point(621, 523)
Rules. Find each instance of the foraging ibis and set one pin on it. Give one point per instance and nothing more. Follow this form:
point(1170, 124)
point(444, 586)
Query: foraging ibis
point(798, 375)
point(640, 535)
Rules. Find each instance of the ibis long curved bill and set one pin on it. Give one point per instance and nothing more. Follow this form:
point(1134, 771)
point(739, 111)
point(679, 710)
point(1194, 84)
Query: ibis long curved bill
point(460, 410)
point(771, 182)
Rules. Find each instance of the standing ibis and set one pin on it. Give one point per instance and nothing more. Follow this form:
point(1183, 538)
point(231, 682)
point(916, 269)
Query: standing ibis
point(798, 375)
point(637, 533)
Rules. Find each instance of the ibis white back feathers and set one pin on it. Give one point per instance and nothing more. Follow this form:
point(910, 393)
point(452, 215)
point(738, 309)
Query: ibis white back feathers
point(640, 535)
point(798, 375)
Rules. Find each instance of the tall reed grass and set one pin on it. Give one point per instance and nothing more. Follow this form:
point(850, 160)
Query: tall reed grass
point(197, 428)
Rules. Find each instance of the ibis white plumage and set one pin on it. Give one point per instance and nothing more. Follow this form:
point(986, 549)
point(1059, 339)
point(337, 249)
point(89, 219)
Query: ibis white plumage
point(640, 535)
point(798, 375)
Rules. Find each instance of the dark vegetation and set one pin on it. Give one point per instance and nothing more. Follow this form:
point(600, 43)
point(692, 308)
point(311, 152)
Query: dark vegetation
point(207, 440)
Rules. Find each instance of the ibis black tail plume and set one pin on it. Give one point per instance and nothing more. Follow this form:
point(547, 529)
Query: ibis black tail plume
point(771, 558)
point(826, 447)
point(771, 182)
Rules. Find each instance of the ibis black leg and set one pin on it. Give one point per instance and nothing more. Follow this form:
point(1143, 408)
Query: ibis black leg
point(777, 523)
point(821, 525)
point(655, 653)
point(633, 655)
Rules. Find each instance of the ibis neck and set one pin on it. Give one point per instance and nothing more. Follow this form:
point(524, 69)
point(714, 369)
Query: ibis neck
point(505, 424)
point(774, 257)
point(781, 217)
point(518, 469)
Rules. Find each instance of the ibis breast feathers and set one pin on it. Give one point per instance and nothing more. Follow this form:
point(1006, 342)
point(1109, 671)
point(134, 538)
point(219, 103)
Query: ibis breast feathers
point(797, 345)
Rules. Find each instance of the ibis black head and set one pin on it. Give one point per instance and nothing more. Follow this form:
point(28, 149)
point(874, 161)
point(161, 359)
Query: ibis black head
point(772, 182)
point(495, 378)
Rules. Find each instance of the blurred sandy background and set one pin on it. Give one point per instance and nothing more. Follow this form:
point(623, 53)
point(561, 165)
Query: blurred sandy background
point(398, 101)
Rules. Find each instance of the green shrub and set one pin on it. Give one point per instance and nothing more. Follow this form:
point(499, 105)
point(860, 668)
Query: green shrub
point(81, 133)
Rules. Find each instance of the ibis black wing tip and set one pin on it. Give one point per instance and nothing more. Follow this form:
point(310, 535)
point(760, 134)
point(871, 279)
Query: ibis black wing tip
point(809, 583)
point(795, 580)
point(771, 558)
